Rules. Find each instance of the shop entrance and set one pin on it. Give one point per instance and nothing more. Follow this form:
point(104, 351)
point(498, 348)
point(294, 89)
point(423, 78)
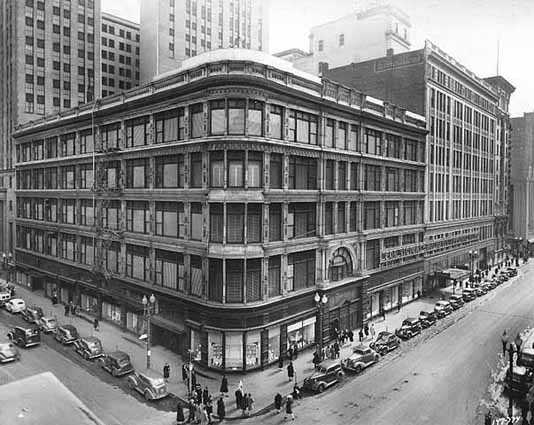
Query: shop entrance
point(168, 339)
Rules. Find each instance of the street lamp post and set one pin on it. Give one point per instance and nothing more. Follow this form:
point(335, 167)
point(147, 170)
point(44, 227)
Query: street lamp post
point(148, 305)
point(510, 376)
point(320, 303)
point(472, 255)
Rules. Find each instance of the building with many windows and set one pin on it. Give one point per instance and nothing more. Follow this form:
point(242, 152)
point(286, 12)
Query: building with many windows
point(369, 32)
point(174, 30)
point(467, 151)
point(49, 61)
point(235, 189)
point(119, 54)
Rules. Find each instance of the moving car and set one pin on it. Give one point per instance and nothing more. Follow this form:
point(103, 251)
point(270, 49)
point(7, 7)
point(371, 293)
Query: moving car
point(8, 352)
point(427, 318)
point(360, 358)
point(522, 379)
point(469, 294)
point(148, 383)
point(117, 363)
point(385, 342)
point(328, 373)
point(410, 328)
point(443, 308)
point(456, 301)
point(89, 347)
point(15, 305)
point(48, 324)
point(32, 314)
point(66, 334)
point(25, 336)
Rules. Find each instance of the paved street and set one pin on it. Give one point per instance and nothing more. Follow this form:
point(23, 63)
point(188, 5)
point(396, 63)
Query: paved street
point(109, 402)
point(439, 377)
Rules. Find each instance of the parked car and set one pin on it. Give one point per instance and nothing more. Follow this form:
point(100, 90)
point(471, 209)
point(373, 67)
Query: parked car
point(25, 336)
point(410, 327)
point(512, 271)
point(32, 314)
point(361, 358)
point(66, 334)
point(148, 383)
point(492, 284)
point(328, 373)
point(443, 308)
point(385, 342)
point(8, 352)
point(503, 277)
point(469, 294)
point(15, 305)
point(427, 318)
point(5, 296)
point(456, 301)
point(89, 347)
point(480, 290)
point(522, 379)
point(117, 363)
point(48, 324)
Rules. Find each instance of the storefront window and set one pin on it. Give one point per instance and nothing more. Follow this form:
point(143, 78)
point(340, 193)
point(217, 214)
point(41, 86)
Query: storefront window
point(196, 346)
point(252, 350)
point(301, 334)
point(111, 312)
point(234, 350)
point(274, 344)
point(215, 349)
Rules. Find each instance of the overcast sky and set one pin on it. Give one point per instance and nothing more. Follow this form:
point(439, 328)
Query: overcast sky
point(468, 30)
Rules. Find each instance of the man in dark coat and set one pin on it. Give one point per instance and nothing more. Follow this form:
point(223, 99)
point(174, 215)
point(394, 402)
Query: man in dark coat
point(221, 410)
point(351, 336)
point(360, 335)
point(290, 371)
point(224, 385)
point(366, 330)
point(290, 353)
point(185, 372)
point(244, 404)
point(193, 379)
point(295, 351)
point(180, 418)
point(192, 410)
point(67, 309)
point(166, 372)
point(278, 402)
point(289, 408)
point(316, 359)
point(238, 398)
point(205, 395)
point(336, 350)
point(280, 362)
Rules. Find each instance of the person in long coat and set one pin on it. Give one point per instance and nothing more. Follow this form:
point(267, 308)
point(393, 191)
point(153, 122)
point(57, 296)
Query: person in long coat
point(166, 371)
point(180, 418)
point(192, 411)
point(289, 408)
point(360, 335)
point(244, 405)
point(193, 379)
point(366, 330)
point(290, 371)
point(281, 362)
point(224, 385)
point(351, 336)
point(221, 409)
point(238, 397)
point(205, 395)
point(185, 372)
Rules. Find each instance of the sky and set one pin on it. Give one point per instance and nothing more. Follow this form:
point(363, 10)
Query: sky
point(468, 30)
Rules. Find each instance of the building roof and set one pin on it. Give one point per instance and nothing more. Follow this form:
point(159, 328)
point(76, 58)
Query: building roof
point(119, 20)
point(43, 399)
point(500, 81)
point(293, 51)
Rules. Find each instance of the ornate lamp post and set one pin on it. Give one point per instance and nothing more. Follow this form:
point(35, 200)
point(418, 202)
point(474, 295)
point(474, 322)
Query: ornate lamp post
point(472, 255)
point(510, 376)
point(320, 303)
point(148, 305)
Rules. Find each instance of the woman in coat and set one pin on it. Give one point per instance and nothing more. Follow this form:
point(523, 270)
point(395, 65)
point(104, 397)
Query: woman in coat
point(278, 402)
point(221, 410)
point(224, 385)
point(289, 408)
point(180, 418)
point(290, 371)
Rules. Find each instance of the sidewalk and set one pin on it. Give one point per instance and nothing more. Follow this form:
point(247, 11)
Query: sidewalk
point(263, 385)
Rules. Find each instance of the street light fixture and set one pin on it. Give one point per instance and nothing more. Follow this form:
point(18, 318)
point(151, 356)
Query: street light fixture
point(320, 303)
point(148, 305)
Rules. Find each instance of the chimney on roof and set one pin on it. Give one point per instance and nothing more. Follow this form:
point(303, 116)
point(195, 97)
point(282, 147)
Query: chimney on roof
point(323, 68)
point(389, 52)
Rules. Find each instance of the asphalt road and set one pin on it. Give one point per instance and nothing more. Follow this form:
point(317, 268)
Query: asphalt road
point(439, 377)
point(105, 395)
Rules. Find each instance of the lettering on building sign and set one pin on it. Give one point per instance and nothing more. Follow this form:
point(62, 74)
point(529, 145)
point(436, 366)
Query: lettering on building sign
point(402, 252)
point(398, 62)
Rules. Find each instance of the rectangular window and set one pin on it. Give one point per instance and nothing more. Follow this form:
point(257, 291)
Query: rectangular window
point(169, 270)
point(215, 284)
point(255, 118)
point(255, 169)
point(170, 126)
point(329, 133)
point(68, 144)
point(371, 215)
point(392, 179)
point(275, 171)
point(110, 137)
point(254, 223)
point(197, 120)
point(274, 280)
point(86, 141)
point(353, 217)
point(196, 170)
point(216, 223)
point(196, 221)
point(87, 251)
point(136, 173)
point(169, 171)
point(235, 223)
point(301, 220)
point(392, 214)
point(341, 139)
point(372, 177)
point(372, 254)
point(170, 219)
point(410, 213)
point(236, 116)
point(341, 218)
point(301, 270)
point(372, 142)
point(68, 178)
point(87, 216)
point(253, 280)
point(235, 169)
point(275, 121)
point(217, 169)
point(302, 173)
point(137, 132)
point(137, 217)
point(137, 262)
point(330, 183)
point(217, 117)
point(393, 145)
point(234, 281)
point(275, 222)
point(68, 246)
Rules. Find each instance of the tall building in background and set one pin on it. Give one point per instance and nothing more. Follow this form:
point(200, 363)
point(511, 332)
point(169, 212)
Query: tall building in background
point(522, 179)
point(367, 33)
point(119, 54)
point(174, 30)
point(49, 61)
point(467, 151)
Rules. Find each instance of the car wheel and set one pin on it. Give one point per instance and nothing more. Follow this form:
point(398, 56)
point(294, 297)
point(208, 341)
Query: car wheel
point(340, 375)
point(114, 372)
point(377, 358)
point(321, 388)
point(147, 395)
point(86, 355)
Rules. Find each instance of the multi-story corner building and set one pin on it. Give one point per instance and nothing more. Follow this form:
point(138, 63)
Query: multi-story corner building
point(236, 189)
point(466, 151)
point(119, 54)
point(172, 31)
point(49, 61)
point(522, 181)
point(367, 33)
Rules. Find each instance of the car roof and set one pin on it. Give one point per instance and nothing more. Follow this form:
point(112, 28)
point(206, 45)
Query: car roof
point(360, 347)
point(16, 300)
point(442, 302)
point(384, 334)
point(411, 319)
point(68, 327)
point(90, 339)
point(118, 355)
point(328, 363)
point(24, 328)
point(149, 373)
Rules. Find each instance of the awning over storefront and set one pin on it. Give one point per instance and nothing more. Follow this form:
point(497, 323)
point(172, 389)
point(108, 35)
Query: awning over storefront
point(454, 274)
point(157, 320)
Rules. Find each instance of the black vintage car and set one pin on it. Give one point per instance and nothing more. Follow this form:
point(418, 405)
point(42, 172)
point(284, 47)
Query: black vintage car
point(522, 380)
point(410, 328)
point(328, 373)
point(117, 363)
point(66, 334)
point(385, 342)
point(456, 301)
point(32, 314)
point(89, 347)
point(427, 318)
point(25, 336)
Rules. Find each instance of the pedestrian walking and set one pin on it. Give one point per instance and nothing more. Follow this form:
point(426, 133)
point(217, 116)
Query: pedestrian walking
point(278, 402)
point(351, 336)
point(297, 395)
point(244, 405)
point(336, 350)
point(290, 371)
point(180, 418)
point(290, 353)
point(372, 330)
point(192, 410)
point(221, 409)
point(366, 330)
point(289, 408)
point(209, 410)
point(67, 309)
point(418, 293)
point(504, 340)
point(281, 363)
point(238, 397)
point(295, 351)
point(95, 324)
point(185, 372)
point(166, 372)
point(250, 405)
point(193, 378)
point(384, 314)
point(73, 309)
point(316, 360)
point(360, 335)
point(205, 395)
point(224, 386)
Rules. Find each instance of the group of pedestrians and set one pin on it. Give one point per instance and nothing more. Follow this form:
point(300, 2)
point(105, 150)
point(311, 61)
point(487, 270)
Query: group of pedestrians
point(278, 399)
point(243, 400)
point(200, 411)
